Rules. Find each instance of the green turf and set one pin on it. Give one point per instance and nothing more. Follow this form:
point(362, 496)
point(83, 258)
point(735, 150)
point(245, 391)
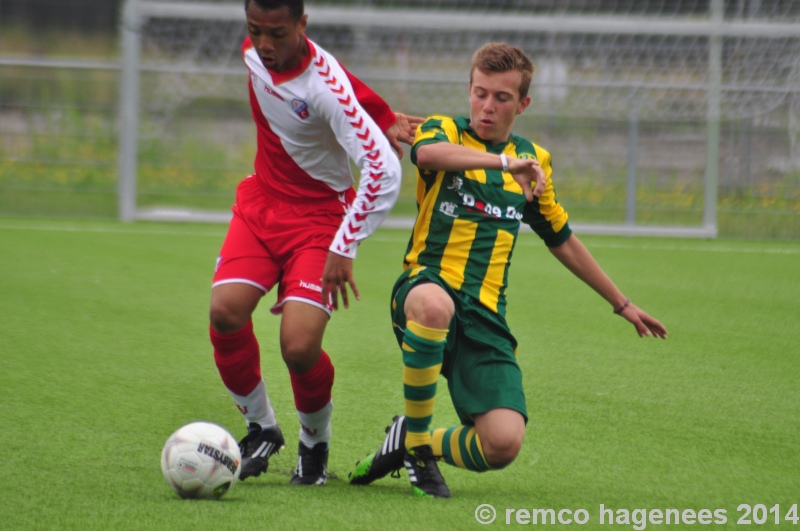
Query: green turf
point(104, 352)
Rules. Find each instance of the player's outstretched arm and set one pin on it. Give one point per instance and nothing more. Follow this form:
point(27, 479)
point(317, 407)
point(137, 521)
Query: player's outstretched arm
point(397, 127)
point(574, 255)
point(444, 156)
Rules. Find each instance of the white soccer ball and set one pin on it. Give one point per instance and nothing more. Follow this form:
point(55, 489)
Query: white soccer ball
point(201, 460)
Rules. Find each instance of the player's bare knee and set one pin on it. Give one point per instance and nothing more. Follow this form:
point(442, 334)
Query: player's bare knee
point(440, 311)
point(225, 320)
point(300, 355)
point(432, 311)
point(501, 433)
point(501, 452)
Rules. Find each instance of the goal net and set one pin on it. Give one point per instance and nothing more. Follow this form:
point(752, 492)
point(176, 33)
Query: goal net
point(663, 117)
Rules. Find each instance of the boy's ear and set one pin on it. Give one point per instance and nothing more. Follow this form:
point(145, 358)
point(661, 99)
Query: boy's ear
point(523, 104)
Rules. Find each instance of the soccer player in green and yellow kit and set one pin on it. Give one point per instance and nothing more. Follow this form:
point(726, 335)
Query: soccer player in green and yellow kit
point(476, 183)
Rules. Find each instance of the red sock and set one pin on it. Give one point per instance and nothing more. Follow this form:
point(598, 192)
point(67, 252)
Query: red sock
point(238, 359)
point(312, 389)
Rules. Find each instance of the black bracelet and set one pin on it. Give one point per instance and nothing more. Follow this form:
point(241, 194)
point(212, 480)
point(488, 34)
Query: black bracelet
point(625, 304)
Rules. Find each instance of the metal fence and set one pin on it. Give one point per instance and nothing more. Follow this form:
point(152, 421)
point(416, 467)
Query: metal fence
point(681, 123)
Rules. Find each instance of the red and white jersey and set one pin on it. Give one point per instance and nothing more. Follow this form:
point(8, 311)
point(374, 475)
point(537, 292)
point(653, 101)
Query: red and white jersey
point(310, 122)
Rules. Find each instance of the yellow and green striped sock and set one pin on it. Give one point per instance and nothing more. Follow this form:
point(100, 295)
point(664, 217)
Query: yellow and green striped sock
point(460, 446)
point(423, 351)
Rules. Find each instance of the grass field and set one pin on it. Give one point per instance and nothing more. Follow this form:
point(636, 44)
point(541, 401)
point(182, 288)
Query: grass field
point(104, 352)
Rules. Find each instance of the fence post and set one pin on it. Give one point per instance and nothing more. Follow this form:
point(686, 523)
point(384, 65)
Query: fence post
point(713, 116)
point(127, 152)
point(633, 157)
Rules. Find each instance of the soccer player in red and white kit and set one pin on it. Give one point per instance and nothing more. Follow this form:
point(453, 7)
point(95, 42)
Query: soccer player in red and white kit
point(297, 224)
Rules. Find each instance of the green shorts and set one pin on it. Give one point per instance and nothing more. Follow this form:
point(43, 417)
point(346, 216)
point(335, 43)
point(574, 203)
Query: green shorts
point(480, 363)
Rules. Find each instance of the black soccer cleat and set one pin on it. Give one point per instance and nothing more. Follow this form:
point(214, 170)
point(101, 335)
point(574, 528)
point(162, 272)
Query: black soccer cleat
point(257, 447)
point(312, 465)
point(426, 480)
point(387, 459)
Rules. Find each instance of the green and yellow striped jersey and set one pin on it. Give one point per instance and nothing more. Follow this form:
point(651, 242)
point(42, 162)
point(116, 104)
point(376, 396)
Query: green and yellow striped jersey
point(468, 221)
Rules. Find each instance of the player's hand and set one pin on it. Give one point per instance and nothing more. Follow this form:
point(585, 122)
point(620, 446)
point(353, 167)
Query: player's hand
point(527, 172)
point(338, 273)
point(403, 130)
point(644, 324)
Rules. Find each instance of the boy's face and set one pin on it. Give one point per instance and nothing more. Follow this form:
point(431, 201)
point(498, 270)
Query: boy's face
point(494, 104)
point(278, 39)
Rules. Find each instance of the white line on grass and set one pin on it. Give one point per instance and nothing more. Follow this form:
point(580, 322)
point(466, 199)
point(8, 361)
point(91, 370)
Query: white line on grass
point(698, 248)
point(401, 235)
point(533, 240)
point(123, 229)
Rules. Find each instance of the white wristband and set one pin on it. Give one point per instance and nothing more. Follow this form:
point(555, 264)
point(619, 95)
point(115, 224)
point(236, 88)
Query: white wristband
point(504, 162)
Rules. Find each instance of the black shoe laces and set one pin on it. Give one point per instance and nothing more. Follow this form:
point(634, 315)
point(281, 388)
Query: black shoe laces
point(253, 439)
point(246, 440)
point(426, 465)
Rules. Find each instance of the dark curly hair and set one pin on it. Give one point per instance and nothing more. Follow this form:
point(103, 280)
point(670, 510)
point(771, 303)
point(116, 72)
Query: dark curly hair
point(296, 8)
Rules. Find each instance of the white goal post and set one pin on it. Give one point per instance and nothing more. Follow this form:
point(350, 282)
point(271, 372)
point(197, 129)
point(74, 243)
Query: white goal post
point(698, 79)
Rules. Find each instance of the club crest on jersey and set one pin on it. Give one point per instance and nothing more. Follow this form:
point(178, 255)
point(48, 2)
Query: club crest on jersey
point(300, 108)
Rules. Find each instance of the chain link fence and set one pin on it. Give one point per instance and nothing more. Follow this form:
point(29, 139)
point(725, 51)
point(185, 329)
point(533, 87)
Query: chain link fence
point(662, 117)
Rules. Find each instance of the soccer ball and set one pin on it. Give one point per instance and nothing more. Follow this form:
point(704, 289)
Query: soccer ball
point(201, 460)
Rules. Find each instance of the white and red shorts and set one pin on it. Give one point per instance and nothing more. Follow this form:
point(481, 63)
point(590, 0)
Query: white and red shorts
point(270, 242)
